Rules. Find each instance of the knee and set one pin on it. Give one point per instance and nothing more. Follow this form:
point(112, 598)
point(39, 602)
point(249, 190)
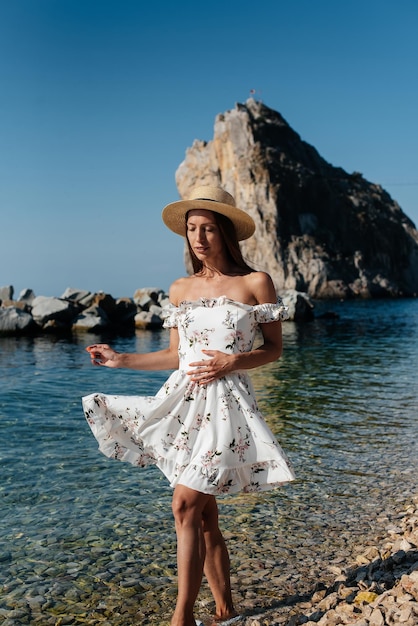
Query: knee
point(186, 511)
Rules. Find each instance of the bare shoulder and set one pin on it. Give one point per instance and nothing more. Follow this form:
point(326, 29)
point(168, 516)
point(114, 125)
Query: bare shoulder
point(261, 287)
point(178, 290)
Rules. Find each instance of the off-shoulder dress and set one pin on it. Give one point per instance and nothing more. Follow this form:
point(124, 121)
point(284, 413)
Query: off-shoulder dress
point(210, 438)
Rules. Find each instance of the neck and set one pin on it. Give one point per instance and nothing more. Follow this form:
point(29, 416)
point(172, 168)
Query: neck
point(209, 270)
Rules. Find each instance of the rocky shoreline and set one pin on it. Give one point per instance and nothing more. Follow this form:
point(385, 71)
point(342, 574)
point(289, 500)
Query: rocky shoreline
point(379, 589)
point(77, 310)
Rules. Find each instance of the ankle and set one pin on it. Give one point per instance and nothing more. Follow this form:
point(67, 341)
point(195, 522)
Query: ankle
point(225, 612)
point(181, 619)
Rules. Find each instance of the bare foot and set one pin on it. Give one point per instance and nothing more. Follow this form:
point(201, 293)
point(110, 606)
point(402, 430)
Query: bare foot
point(225, 620)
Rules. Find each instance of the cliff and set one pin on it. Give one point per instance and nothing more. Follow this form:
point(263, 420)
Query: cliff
point(320, 230)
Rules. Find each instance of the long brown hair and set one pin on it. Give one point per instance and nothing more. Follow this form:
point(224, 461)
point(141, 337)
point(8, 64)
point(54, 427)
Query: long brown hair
point(230, 241)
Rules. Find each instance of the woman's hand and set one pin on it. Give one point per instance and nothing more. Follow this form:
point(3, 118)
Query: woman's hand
point(102, 354)
point(219, 364)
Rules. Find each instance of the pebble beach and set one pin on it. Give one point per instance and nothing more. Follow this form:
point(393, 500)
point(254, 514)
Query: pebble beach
point(377, 587)
point(372, 582)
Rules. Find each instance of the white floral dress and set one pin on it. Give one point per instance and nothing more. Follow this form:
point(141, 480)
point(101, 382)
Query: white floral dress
point(210, 438)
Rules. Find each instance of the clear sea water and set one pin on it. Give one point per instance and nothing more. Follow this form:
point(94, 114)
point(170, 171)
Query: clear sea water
point(84, 539)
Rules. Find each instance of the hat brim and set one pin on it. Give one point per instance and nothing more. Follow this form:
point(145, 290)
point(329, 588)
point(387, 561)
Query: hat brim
point(174, 216)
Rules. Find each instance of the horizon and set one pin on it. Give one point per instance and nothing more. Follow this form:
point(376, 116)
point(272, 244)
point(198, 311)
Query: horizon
point(101, 101)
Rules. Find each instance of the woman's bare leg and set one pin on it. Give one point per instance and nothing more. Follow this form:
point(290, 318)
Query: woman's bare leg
point(188, 506)
point(217, 564)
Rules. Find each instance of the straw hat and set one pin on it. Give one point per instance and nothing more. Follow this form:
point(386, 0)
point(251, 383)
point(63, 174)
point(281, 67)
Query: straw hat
point(212, 199)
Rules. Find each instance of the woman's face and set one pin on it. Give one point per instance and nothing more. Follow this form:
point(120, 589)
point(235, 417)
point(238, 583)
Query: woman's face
point(204, 235)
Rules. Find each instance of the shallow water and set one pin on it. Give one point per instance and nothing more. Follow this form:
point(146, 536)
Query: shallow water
point(85, 539)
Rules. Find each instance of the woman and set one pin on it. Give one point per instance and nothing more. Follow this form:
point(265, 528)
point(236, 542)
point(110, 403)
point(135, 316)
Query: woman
point(203, 428)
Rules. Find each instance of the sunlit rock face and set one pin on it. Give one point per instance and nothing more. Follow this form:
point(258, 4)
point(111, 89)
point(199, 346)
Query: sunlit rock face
point(320, 230)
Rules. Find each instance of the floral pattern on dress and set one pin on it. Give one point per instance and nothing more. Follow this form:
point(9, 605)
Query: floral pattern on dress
point(211, 438)
point(241, 444)
point(235, 340)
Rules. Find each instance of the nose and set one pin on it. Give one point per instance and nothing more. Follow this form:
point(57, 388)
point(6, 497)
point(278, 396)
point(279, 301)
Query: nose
point(201, 235)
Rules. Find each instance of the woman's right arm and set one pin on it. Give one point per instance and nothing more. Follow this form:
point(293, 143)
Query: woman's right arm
point(167, 359)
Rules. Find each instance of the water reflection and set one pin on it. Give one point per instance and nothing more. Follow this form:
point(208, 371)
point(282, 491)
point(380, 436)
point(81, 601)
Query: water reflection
point(343, 400)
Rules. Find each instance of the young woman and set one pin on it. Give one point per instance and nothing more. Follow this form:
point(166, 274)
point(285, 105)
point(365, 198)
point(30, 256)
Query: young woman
point(203, 428)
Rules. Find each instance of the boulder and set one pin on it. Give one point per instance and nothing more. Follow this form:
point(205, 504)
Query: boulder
point(163, 301)
point(146, 320)
point(93, 319)
point(106, 302)
point(299, 304)
point(144, 302)
point(17, 304)
point(53, 311)
point(155, 309)
point(14, 321)
point(27, 296)
point(81, 297)
point(150, 293)
point(124, 315)
point(75, 295)
point(6, 293)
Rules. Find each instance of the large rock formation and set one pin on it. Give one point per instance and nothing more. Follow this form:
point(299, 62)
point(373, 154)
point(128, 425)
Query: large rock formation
point(319, 230)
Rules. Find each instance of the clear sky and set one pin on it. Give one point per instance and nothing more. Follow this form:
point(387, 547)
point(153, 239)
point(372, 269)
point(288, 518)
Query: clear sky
point(99, 100)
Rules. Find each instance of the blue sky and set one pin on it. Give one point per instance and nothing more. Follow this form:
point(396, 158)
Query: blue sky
point(99, 100)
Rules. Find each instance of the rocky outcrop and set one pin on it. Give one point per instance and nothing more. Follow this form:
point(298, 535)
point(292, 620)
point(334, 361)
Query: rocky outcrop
point(300, 307)
point(320, 230)
point(83, 311)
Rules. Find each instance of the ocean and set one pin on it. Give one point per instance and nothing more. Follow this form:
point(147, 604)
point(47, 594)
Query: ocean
point(84, 539)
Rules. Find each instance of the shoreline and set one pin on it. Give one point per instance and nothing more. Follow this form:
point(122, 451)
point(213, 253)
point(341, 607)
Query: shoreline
point(380, 587)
